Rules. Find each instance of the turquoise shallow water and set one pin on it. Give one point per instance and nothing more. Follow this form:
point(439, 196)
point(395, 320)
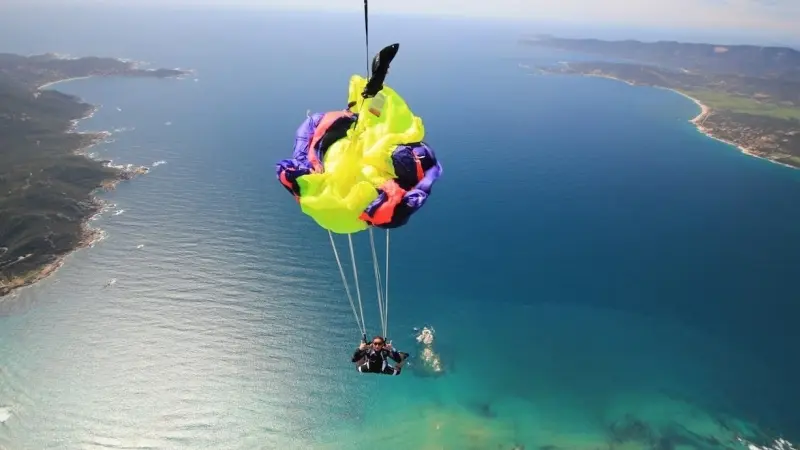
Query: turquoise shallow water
point(602, 274)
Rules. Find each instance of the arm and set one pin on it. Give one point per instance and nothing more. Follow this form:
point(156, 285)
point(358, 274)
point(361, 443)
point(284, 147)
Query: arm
point(358, 355)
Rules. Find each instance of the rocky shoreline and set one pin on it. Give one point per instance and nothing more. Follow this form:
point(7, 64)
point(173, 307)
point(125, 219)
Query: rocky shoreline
point(88, 236)
point(49, 179)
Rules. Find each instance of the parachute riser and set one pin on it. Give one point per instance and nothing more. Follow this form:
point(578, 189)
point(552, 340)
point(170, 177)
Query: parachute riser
point(374, 84)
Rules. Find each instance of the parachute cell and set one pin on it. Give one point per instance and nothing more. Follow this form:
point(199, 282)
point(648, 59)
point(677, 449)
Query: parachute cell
point(367, 165)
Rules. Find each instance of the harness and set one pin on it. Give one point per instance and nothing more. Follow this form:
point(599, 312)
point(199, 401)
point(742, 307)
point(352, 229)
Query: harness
point(381, 354)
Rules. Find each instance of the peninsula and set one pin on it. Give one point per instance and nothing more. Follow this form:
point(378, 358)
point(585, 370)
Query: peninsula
point(749, 95)
point(46, 183)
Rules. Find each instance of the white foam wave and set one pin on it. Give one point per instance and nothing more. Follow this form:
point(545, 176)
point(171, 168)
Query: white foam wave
point(100, 235)
point(126, 167)
point(5, 413)
point(778, 444)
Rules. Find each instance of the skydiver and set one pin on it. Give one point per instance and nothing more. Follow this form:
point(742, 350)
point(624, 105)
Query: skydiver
point(374, 358)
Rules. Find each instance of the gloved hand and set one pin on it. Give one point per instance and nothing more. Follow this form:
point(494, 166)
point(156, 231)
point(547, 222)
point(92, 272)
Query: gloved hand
point(362, 346)
point(380, 68)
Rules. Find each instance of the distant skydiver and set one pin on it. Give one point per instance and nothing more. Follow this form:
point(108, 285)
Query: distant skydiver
point(374, 358)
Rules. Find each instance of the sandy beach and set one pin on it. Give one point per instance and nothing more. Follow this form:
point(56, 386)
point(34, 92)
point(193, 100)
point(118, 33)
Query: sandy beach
point(698, 121)
point(705, 111)
point(47, 85)
point(601, 75)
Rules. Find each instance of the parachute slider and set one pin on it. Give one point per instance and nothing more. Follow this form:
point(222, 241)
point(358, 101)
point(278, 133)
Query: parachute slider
point(380, 68)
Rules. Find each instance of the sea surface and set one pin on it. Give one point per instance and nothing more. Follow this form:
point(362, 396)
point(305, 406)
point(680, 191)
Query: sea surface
point(598, 273)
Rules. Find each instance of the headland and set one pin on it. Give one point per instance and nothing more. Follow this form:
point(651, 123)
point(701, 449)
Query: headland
point(47, 181)
point(749, 95)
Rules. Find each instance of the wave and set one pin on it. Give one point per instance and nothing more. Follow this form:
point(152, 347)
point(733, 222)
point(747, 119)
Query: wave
point(777, 444)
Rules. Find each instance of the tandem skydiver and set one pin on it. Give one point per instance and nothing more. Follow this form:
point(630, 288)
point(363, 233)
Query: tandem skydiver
point(375, 358)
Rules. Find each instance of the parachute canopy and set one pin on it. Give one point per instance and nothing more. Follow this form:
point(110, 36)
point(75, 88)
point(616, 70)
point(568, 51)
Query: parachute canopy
point(363, 166)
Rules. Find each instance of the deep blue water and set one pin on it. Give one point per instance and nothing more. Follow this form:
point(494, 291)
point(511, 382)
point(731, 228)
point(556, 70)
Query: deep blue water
point(586, 254)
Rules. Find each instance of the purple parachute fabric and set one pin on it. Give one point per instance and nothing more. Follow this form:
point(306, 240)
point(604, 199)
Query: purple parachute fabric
point(405, 167)
point(303, 135)
point(299, 165)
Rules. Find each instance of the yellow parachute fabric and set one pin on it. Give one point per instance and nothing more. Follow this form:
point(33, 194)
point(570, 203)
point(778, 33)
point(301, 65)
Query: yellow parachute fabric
point(356, 165)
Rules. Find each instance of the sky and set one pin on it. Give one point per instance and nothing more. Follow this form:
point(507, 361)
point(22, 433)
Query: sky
point(764, 15)
point(781, 17)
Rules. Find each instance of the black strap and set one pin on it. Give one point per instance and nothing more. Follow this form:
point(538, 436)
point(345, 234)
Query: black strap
point(366, 33)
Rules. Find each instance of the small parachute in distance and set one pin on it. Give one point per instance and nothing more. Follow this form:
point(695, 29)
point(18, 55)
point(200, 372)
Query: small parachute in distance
point(366, 165)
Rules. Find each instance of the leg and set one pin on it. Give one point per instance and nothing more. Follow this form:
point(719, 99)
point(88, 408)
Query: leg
point(364, 367)
point(389, 370)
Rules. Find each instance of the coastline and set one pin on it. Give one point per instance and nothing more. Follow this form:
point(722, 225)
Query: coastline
point(706, 111)
point(89, 236)
point(697, 121)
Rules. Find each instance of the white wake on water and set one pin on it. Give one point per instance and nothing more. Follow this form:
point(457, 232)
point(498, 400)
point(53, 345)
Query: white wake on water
point(430, 359)
point(425, 335)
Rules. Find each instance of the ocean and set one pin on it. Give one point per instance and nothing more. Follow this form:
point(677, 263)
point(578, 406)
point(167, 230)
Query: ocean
point(598, 273)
